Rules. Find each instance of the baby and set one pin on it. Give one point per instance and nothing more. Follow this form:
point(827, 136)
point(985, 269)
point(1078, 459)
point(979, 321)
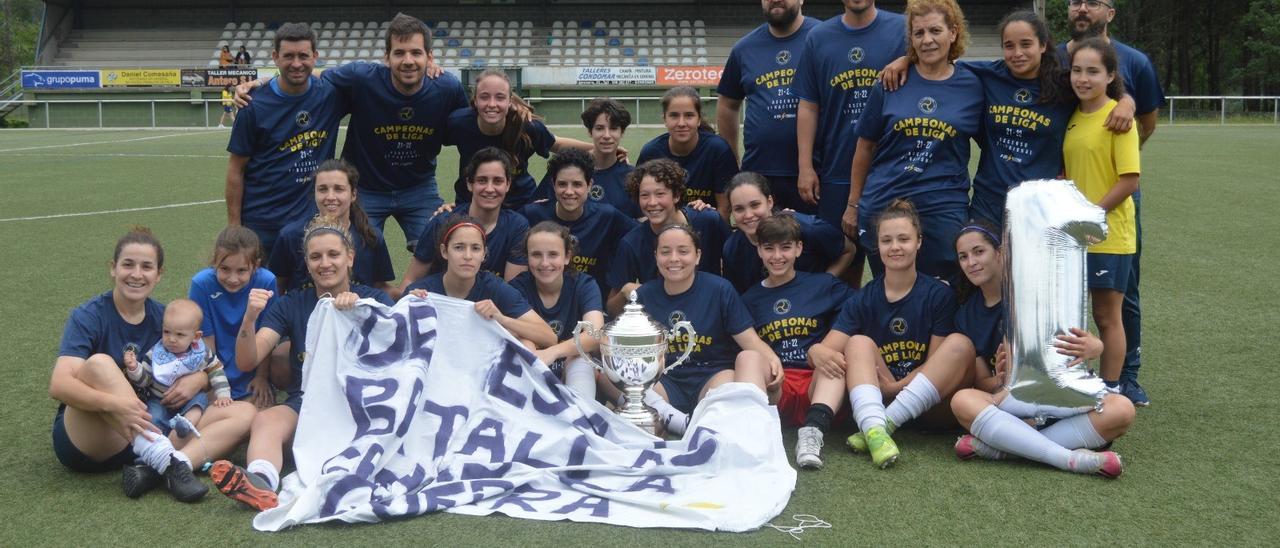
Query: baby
point(180, 352)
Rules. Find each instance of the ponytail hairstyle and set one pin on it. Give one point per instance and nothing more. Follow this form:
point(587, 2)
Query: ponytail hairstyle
point(900, 208)
point(237, 240)
point(1110, 61)
point(139, 234)
point(748, 178)
point(514, 136)
point(560, 231)
point(691, 94)
point(679, 227)
point(322, 224)
point(359, 219)
point(1053, 89)
point(663, 170)
point(990, 234)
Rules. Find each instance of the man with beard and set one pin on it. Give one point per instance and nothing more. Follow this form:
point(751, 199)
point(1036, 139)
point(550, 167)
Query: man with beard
point(841, 60)
point(280, 140)
point(1090, 18)
point(398, 111)
point(760, 70)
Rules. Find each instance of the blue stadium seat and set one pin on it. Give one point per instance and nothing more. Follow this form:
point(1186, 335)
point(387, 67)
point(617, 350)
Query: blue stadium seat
point(478, 63)
point(601, 33)
point(614, 42)
point(629, 52)
point(642, 61)
point(466, 52)
point(441, 33)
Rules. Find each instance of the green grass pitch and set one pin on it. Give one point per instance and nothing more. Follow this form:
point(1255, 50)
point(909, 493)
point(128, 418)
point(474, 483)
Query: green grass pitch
point(1201, 465)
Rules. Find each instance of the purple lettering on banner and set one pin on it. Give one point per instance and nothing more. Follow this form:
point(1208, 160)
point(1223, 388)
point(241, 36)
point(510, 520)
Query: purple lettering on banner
point(478, 488)
point(340, 490)
point(494, 441)
point(506, 365)
point(408, 417)
point(346, 454)
point(556, 406)
point(646, 457)
point(577, 456)
point(364, 409)
point(524, 495)
point(661, 484)
point(701, 448)
point(448, 418)
point(370, 461)
point(475, 471)
point(394, 352)
point(526, 447)
point(599, 507)
point(437, 495)
point(594, 422)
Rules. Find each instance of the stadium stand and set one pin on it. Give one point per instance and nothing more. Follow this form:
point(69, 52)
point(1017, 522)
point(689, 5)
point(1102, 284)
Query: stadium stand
point(603, 35)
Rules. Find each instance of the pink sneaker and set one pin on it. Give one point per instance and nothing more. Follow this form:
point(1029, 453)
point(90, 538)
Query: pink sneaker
point(1111, 466)
point(964, 447)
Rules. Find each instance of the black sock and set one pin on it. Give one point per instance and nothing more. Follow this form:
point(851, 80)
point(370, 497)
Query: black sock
point(819, 416)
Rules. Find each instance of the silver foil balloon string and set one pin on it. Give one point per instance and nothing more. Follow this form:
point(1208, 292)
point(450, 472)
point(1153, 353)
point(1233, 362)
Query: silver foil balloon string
point(1048, 225)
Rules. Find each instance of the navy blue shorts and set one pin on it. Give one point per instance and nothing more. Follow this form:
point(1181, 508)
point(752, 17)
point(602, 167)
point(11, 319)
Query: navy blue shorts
point(267, 237)
point(786, 195)
point(1107, 271)
point(71, 456)
point(294, 402)
point(411, 207)
point(684, 384)
point(833, 200)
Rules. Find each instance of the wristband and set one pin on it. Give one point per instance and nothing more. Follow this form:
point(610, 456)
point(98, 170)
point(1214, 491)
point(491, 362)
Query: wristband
point(854, 206)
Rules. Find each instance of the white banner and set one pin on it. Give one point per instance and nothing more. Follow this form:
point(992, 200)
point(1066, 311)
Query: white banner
point(421, 408)
point(617, 76)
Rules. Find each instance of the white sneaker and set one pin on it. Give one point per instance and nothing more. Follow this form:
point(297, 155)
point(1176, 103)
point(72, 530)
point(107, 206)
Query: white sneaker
point(809, 448)
point(220, 126)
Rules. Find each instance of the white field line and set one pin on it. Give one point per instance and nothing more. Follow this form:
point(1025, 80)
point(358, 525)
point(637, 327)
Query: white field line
point(109, 155)
point(69, 145)
point(109, 211)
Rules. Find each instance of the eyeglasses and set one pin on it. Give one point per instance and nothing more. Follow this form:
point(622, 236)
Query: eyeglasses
point(1091, 4)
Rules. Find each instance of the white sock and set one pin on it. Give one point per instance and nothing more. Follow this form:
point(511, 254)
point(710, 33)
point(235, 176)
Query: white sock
point(266, 471)
point(153, 452)
point(1024, 410)
point(913, 401)
point(581, 377)
point(1074, 433)
point(867, 405)
point(986, 451)
point(1009, 434)
point(674, 419)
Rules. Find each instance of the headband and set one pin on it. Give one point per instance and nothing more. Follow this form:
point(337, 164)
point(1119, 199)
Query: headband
point(445, 240)
point(329, 229)
point(977, 228)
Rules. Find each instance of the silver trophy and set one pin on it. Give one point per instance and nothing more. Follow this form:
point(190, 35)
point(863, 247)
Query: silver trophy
point(633, 349)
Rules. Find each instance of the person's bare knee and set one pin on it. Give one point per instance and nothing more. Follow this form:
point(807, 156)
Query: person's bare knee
point(1116, 417)
point(967, 403)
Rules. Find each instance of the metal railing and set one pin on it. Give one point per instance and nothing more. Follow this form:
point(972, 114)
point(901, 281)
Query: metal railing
point(557, 111)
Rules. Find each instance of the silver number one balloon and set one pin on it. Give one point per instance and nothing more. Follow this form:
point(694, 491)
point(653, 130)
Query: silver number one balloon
point(1048, 226)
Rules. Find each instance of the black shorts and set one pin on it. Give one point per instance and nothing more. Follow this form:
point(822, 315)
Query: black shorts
point(71, 456)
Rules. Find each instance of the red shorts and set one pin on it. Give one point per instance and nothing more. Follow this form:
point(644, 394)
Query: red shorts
point(793, 404)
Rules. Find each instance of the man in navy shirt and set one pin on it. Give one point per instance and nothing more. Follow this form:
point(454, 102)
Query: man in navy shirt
point(1090, 18)
point(840, 64)
point(277, 142)
point(760, 70)
point(398, 121)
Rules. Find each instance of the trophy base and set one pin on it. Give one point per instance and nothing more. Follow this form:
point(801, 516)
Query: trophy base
point(644, 418)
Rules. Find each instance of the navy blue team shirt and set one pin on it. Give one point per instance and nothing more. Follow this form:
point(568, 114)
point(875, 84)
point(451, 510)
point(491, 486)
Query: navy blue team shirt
point(707, 169)
point(823, 244)
point(838, 69)
point(901, 329)
point(487, 286)
point(923, 131)
point(634, 261)
point(223, 314)
point(505, 244)
point(285, 137)
point(373, 260)
point(288, 316)
point(1021, 138)
point(716, 312)
point(393, 139)
point(796, 315)
point(597, 231)
point(578, 295)
point(760, 70)
point(96, 327)
point(464, 133)
point(984, 325)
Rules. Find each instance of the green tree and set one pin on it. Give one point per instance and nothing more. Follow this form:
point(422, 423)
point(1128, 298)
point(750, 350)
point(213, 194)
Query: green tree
point(19, 31)
point(1259, 71)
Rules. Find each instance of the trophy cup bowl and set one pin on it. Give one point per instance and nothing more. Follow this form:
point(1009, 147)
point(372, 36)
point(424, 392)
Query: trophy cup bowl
point(633, 352)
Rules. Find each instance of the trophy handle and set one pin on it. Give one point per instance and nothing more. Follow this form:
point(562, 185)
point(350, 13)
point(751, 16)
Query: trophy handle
point(688, 345)
point(577, 341)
